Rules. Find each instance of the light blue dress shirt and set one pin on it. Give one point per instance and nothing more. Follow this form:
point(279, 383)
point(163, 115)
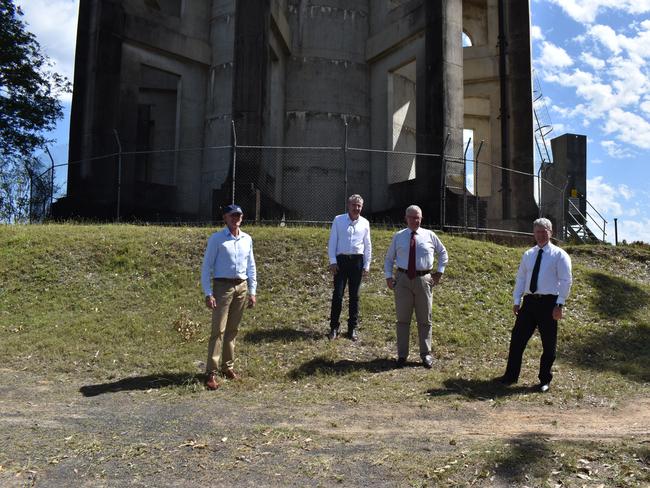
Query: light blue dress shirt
point(349, 236)
point(554, 273)
point(427, 245)
point(227, 256)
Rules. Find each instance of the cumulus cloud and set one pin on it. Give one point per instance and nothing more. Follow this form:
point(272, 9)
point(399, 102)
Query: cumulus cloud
point(606, 198)
point(592, 61)
point(615, 150)
point(54, 23)
point(633, 230)
point(536, 33)
point(554, 57)
point(586, 11)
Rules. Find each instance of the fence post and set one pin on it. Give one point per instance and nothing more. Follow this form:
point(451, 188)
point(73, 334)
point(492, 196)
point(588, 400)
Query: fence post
point(258, 205)
point(476, 197)
point(51, 179)
point(443, 184)
point(234, 160)
point(465, 182)
point(119, 173)
point(345, 164)
point(615, 231)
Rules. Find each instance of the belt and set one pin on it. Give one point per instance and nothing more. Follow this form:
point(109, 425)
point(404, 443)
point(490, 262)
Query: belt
point(538, 296)
point(349, 256)
point(417, 273)
point(231, 280)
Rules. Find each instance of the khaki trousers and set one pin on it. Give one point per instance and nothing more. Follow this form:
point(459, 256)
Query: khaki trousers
point(413, 294)
point(231, 300)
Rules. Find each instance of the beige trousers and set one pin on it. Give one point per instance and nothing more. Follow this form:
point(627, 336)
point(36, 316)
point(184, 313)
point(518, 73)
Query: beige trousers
point(409, 295)
point(231, 300)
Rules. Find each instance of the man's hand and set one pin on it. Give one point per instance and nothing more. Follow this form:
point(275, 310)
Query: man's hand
point(210, 302)
point(390, 283)
point(365, 273)
point(435, 277)
point(251, 301)
point(334, 268)
point(557, 313)
point(515, 309)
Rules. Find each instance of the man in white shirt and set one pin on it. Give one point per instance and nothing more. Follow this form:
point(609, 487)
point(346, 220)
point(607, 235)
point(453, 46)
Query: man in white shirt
point(350, 251)
point(228, 277)
point(412, 250)
point(544, 280)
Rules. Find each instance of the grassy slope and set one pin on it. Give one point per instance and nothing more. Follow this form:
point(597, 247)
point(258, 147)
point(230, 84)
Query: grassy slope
point(104, 302)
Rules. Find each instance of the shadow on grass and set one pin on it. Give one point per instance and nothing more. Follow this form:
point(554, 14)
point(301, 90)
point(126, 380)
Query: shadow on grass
point(282, 334)
point(141, 383)
point(616, 298)
point(527, 456)
point(478, 389)
point(321, 365)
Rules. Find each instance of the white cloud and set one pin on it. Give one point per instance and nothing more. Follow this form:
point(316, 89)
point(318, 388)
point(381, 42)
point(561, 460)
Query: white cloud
point(633, 230)
point(536, 33)
point(554, 57)
point(54, 23)
point(592, 61)
point(628, 127)
point(607, 198)
point(586, 11)
point(615, 150)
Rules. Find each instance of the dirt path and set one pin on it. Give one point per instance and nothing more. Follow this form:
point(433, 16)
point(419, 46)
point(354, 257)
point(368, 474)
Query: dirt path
point(51, 435)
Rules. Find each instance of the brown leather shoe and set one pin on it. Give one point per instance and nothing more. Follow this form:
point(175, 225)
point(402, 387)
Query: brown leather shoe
point(211, 382)
point(230, 374)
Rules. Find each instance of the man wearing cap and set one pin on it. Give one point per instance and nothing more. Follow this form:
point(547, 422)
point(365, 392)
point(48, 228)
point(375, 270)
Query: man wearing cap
point(412, 250)
point(544, 280)
point(228, 275)
point(350, 251)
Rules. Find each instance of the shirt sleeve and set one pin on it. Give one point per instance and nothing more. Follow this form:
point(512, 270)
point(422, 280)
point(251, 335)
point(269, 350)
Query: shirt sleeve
point(208, 264)
point(251, 272)
point(331, 245)
point(391, 254)
point(367, 249)
point(441, 253)
point(564, 277)
point(520, 282)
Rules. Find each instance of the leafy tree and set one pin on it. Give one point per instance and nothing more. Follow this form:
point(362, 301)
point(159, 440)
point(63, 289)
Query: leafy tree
point(29, 106)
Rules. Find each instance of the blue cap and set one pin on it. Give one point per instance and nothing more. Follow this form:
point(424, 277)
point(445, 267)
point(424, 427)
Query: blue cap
point(232, 209)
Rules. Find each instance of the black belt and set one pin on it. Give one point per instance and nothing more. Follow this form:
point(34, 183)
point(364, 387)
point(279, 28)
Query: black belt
point(231, 280)
point(349, 256)
point(537, 296)
point(417, 273)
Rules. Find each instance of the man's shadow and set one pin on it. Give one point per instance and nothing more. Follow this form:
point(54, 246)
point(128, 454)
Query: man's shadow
point(321, 365)
point(478, 389)
point(141, 383)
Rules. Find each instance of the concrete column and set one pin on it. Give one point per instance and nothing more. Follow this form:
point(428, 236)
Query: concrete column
point(440, 108)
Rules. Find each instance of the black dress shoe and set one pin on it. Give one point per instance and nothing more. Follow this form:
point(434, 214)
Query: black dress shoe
point(401, 362)
point(504, 380)
point(352, 334)
point(334, 334)
point(427, 361)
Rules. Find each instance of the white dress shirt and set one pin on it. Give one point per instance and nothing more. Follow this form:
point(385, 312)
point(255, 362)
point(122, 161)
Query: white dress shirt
point(227, 256)
point(350, 237)
point(426, 245)
point(554, 276)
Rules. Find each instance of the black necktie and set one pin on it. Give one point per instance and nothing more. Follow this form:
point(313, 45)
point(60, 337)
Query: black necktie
point(533, 279)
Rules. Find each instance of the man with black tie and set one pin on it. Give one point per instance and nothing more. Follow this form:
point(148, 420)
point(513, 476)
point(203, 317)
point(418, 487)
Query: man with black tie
point(544, 281)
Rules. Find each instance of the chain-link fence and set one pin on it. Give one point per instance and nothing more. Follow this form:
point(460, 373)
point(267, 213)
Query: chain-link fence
point(459, 189)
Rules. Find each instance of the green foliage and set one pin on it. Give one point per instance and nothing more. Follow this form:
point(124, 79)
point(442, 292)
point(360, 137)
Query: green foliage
point(28, 106)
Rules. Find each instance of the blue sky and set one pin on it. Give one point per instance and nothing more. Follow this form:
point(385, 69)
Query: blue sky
point(590, 57)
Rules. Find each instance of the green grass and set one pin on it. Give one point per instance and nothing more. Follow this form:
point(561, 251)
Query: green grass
point(106, 302)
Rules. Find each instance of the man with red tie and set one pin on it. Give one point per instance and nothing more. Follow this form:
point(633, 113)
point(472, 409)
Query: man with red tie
point(544, 281)
point(412, 251)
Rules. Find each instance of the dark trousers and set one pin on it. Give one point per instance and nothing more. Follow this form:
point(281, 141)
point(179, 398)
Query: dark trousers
point(350, 273)
point(536, 312)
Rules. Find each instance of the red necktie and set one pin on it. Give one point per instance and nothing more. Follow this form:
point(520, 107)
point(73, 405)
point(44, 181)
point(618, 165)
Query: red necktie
point(410, 272)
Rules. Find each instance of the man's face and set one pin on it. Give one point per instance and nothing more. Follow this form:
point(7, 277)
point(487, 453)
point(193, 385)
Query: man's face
point(354, 209)
point(413, 219)
point(233, 220)
point(542, 235)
